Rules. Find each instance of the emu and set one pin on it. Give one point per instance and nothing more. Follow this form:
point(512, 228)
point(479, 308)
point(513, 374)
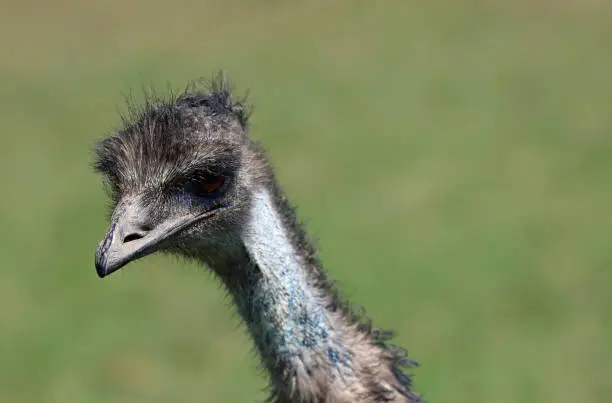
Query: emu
point(185, 178)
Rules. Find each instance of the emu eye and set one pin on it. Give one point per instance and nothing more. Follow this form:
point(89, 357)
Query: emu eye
point(206, 185)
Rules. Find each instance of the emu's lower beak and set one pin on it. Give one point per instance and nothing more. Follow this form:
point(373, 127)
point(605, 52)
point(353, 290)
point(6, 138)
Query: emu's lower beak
point(128, 239)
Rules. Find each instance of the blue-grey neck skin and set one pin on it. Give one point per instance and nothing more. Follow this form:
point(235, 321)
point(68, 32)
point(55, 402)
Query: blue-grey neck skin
point(285, 311)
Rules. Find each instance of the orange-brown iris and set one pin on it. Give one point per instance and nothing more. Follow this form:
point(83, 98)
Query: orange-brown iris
point(211, 184)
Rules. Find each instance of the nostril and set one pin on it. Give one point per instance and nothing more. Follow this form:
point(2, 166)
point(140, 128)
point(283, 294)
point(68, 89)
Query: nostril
point(132, 237)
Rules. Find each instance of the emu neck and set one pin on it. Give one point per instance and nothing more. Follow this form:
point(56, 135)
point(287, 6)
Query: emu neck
point(285, 309)
point(311, 348)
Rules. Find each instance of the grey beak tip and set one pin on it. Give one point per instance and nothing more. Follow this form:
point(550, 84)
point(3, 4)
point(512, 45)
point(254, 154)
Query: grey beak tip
point(101, 272)
point(100, 268)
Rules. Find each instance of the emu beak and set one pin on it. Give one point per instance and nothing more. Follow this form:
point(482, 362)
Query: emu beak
point(128, 239)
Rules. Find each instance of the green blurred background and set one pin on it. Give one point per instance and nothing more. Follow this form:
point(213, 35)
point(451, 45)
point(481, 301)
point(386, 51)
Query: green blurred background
point(453, 159)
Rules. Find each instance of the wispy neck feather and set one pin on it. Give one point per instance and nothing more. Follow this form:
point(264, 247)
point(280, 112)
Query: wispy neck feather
point(313, 350)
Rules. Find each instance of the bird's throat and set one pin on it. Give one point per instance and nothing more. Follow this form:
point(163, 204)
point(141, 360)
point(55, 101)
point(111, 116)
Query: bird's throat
point(284, 308)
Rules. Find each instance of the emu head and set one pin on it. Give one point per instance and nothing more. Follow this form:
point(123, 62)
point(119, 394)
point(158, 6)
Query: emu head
point(179, 175)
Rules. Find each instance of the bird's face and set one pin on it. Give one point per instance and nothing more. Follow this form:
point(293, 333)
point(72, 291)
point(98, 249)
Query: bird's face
point(199, 210)
point(180, 191)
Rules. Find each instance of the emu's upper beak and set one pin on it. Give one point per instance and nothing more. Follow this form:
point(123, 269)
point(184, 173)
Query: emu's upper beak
point(130, 237)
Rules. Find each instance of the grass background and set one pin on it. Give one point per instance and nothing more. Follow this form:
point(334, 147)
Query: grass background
point(452, 157)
